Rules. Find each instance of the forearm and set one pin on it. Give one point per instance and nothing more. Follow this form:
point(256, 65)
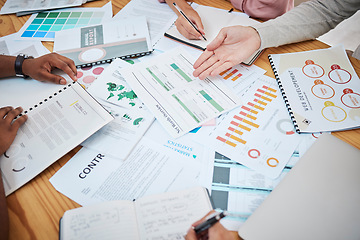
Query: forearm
point(307, 21)
point(4, 217)
point(182, 4)
point(7, 66)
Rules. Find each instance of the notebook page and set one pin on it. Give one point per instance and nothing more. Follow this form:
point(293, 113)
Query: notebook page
point(170, 215)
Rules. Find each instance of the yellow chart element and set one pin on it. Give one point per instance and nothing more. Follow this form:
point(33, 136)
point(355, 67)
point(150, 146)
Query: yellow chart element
point(74, 103)
point(270, 160)
point(235, 138)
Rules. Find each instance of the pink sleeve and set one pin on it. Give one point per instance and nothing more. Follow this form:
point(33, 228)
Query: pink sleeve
point(263, 9)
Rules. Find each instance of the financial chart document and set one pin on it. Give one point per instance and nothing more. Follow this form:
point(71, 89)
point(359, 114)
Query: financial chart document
point(180, 101)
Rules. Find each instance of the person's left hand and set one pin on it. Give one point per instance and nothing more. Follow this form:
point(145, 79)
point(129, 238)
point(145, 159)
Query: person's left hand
point(9, 127)
point(40, 68)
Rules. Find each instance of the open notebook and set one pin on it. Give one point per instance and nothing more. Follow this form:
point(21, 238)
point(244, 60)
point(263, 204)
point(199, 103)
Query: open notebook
point(318, 199)
point(212, 26)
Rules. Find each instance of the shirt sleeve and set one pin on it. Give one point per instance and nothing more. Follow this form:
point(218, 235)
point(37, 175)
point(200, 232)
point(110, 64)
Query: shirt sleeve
point(307, 21)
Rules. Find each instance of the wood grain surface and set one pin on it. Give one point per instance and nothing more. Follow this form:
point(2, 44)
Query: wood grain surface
point(36, 208)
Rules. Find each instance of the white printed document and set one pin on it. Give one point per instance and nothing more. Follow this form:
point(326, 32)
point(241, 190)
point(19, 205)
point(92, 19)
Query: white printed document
point(180, 101)
point(92, 177)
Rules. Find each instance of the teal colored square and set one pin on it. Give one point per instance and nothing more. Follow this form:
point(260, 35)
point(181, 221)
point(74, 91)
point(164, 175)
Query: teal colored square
point(42, 15)
point(98, 14)
point(68, 27)
point(83, 21)
point(53, 15)
point(64, 15)
point(33, 27)
point(95, 21)
point(75, 15)
point(45, 27)
point(28, 34)
point(50, 35)
point(40, 34)
point(37, 21)
point(60, 21)
point(49, 21)
point(56, 28)
point(86, 14)
point(72, 21)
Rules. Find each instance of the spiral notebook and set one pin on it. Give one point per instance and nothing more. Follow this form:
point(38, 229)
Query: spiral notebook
point(87, 46)
point(212, 26)
point(58, 122)
point(320, 88)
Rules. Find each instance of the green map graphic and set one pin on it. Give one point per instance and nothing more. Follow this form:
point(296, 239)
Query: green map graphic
point(121, 92)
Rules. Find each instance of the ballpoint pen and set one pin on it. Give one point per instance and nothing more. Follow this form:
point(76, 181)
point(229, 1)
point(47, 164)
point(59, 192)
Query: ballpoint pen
point(214, 219)
point(193, 25)
point(209, 222)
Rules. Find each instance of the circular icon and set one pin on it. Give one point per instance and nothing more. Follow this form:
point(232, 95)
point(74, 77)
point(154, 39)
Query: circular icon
point(313, 70)
point(272, 162)
point(322, 90)
point(92, 55)
point(285, 126)
point(254, 153)
point(19, 165)
point(350, 99)
point(333, 113)
point(12, 151)
point(340, 76)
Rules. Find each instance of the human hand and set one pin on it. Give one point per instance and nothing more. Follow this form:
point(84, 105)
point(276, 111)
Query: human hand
point(217, 231)
point(185, 28)
point(8, 127)
point(161, 1)
point(40, 68)
point(230, 47)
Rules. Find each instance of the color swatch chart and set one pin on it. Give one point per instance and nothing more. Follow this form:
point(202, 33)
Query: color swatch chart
point(259, 134)
point(44, 25)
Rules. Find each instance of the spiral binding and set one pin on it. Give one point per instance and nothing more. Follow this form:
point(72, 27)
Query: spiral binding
point(111, 59)
point(46, 99)
point(287, 104)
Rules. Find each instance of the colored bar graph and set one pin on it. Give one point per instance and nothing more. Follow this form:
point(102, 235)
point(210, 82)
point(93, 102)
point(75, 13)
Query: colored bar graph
point(260, 102)
point(236, 77)
point(235, 131)
point(249, 110)
point(230, 74)
point(235, 138)
point(247, 115)
point(186, 108)
point(181, 72)
point(226, 141)
point(262, 97)
point(269, 88)
point(211, 101)
point(267, 93)
point(240, 126)
point(256, 106)
point(246, 121)
point(157, 79)
point(223, 72)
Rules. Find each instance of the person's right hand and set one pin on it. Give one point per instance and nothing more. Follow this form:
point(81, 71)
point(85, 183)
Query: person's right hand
point(40, 68)
point(231, 46)
point(9, 127)
point(185, 28)
point(216, 232)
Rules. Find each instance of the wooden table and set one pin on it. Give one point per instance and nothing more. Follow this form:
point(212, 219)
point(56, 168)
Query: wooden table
point(35, 209)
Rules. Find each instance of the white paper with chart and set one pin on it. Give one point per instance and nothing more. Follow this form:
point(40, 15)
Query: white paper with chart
point(259, 134)
point(178, 100)
point(321, 89)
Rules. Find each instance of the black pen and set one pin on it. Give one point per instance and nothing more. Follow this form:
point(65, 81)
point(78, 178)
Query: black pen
point(209, 222)
point(183, 14)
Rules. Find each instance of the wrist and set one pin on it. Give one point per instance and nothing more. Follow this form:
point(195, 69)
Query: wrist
point(26, 66)
point(20, 61)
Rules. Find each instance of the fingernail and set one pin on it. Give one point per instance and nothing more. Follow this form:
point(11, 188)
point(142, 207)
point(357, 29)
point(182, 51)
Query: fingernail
point(62, 82)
